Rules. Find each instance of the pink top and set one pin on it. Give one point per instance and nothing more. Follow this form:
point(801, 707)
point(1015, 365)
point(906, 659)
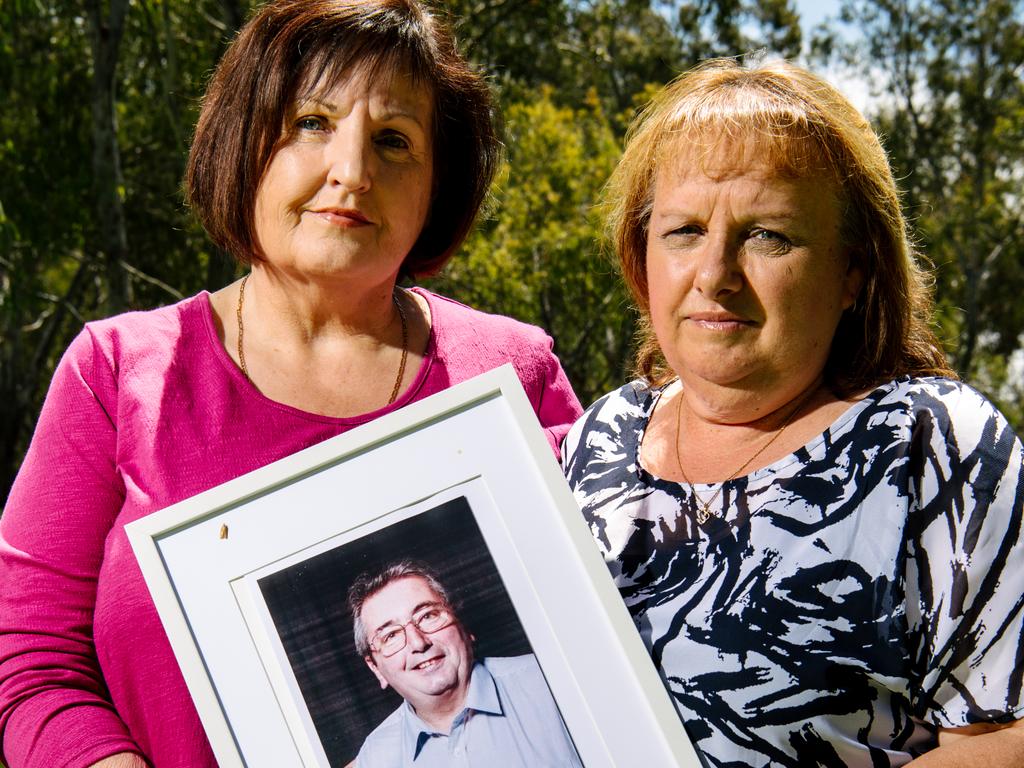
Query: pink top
point(144, 410)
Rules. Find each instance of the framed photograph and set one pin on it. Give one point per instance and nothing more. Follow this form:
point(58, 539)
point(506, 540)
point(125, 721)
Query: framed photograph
point(320, 606)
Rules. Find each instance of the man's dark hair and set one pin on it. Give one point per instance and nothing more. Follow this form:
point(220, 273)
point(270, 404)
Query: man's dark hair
point(370, 583)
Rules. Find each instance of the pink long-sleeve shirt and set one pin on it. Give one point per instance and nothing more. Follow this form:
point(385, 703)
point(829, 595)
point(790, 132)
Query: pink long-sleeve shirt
point(144, 410)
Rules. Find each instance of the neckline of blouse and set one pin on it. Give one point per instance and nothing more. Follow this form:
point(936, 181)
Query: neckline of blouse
point(654, 396)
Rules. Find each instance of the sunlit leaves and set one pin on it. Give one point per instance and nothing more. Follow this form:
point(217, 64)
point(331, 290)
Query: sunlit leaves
point(535, 256)
point(950, 104)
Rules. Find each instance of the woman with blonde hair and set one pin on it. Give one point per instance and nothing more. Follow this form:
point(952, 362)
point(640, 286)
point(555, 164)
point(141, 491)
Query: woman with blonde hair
point(816, 527)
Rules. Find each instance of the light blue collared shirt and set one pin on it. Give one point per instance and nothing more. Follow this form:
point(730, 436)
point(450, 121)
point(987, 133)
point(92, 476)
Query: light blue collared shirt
point(510, 720)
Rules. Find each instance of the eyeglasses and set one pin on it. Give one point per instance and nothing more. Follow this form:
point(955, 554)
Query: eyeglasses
point(390, 639)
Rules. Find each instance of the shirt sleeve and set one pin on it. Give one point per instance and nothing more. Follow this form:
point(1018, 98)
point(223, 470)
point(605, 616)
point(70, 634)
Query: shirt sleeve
point(552, 396)
point(965, 574)
point(54, 706)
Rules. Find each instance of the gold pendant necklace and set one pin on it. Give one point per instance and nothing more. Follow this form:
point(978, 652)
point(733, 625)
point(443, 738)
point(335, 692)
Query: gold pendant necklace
point(704, 510)
point(401, 315)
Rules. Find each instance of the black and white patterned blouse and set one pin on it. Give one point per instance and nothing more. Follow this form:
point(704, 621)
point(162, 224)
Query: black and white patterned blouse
point(858, 594)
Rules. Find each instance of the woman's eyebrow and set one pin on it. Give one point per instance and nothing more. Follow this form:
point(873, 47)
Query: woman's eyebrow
point(329, 106)
point(390, 113)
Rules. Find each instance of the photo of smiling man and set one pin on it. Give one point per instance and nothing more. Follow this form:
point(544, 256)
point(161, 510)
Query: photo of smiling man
point(457, 710)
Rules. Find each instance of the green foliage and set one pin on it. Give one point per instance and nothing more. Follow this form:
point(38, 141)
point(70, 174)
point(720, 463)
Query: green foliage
point(52, 275)
point(950, 106)
point(723, 28)
point(569, 75)
point(43, 140)
point(534, 256)
point(613, 48)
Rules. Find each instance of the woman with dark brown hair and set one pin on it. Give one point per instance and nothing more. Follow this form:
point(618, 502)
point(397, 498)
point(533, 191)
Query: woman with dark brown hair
point(342, 145)
point(816, 527)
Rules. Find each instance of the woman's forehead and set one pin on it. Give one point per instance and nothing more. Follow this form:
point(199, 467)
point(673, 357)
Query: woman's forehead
point(716, 152)
point(383, 74)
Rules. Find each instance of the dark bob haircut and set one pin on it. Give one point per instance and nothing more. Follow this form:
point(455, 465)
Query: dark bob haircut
point(290, 45)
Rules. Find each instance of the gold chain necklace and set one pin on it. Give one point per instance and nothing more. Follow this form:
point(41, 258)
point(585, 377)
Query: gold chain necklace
point(704, 507)
point(401, 315)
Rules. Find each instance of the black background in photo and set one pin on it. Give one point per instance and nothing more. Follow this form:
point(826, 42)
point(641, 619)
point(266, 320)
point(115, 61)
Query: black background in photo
point(307, 604)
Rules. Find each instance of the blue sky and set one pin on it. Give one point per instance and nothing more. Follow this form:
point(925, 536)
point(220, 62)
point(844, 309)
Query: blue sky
point(814, 11)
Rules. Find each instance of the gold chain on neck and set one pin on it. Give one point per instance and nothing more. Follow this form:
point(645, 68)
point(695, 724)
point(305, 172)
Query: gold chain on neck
point(401, 315)
point(704, 507)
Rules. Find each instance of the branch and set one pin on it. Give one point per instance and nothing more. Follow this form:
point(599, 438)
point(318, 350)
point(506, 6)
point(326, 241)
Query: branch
point(595, 317)
point(217, 24)
point(55, 301)
point(62, 305)
point(501, 10)
point(140, 275)
point(1015, 232)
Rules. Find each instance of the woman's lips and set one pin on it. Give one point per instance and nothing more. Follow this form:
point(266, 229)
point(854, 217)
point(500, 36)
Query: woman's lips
point(341, 217)
point(719, 321)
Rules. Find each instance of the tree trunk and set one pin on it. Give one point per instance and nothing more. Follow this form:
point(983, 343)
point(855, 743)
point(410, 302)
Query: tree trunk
point(105, 33)
point(220, 269)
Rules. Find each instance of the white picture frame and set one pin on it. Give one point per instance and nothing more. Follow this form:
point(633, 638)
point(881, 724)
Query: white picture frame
point(230, 569)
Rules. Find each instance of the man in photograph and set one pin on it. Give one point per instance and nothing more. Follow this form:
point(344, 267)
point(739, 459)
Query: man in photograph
point(457, 710)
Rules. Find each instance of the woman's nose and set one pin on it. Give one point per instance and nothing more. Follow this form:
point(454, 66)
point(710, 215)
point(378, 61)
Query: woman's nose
point(349, 155)
point(718, 269)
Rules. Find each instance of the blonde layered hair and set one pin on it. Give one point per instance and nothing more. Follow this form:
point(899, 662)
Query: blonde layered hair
point(780, 116)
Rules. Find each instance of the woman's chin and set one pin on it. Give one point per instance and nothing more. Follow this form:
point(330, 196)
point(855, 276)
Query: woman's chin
point(338, 266)
point(717, 370)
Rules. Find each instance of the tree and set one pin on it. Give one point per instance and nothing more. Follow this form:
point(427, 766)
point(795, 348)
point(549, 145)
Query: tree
point(534, 255)
point(732, 27)
point(950, 98)
point(44, 146)
point(613, 48)
point(106, 28)
point(91, 156)
point(83, 234)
